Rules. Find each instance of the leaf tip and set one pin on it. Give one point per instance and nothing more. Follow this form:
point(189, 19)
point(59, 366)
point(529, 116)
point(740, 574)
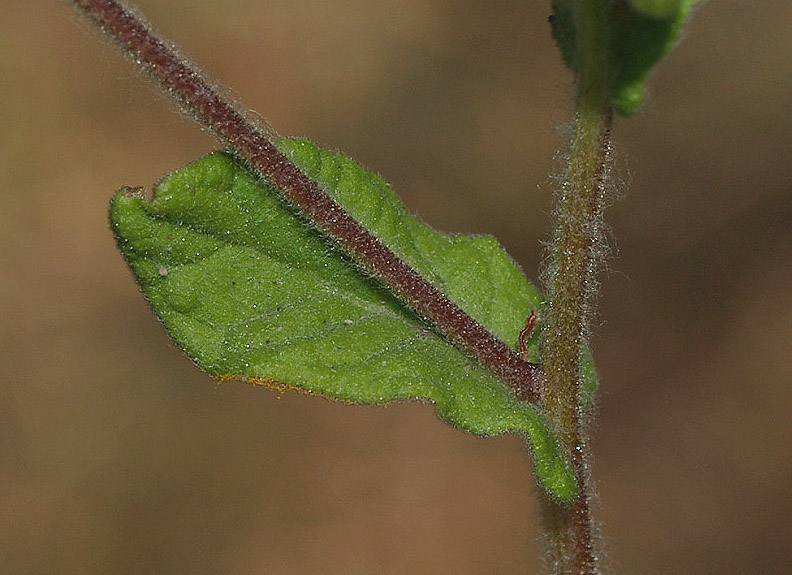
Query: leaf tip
point(138, 192)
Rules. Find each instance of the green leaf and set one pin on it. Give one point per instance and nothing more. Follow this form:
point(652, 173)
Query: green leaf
point(250, 291)
point(658, 8)
point(640, 33)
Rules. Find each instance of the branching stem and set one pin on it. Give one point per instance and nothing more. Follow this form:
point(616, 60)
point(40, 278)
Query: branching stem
point(571, 536)
point(191, 89)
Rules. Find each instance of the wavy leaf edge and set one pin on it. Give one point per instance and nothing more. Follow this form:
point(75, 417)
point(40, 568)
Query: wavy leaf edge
point(552, 466)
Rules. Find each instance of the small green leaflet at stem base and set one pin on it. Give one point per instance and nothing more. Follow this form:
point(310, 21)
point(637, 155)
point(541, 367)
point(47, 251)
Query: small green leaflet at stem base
point(250, 291)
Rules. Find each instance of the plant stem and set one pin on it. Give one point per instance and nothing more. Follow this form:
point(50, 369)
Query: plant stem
point(572, 542)
point(191, 89)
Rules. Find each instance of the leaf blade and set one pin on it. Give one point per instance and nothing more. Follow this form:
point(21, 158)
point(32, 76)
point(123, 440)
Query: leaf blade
point(250, 291)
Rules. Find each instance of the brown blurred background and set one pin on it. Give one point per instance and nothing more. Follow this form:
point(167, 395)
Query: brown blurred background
point(118, 456)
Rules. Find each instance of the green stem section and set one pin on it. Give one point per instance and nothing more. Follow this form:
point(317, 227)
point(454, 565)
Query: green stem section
point(571, 535)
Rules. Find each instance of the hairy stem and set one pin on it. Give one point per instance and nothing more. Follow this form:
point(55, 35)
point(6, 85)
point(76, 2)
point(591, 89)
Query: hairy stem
point(191, 89)
point(571, 539)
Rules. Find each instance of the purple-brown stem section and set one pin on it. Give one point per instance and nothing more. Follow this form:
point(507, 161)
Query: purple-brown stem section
point(571, 540)
point(187, 85)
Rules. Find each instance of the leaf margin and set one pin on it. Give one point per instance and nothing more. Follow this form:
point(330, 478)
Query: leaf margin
point(554, 471)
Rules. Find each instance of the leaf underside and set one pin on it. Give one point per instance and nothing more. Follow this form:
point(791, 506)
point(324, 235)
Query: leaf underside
point(250, 291)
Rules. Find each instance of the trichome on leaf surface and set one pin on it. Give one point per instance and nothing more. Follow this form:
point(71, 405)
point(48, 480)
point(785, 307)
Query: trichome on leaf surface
point(284, 264)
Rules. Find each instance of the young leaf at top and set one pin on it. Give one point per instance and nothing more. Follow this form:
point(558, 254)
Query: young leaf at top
point(640, 33)
point(250, 291)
